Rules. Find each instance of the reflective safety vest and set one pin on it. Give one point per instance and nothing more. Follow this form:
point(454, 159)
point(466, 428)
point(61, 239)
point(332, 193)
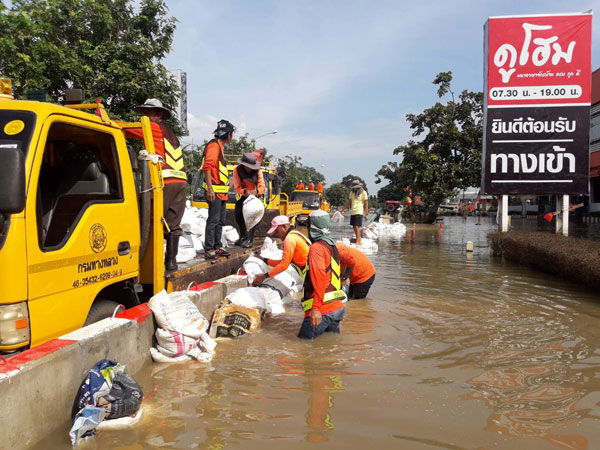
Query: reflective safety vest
point(220, 186)
point(333, 292)
point(173, 165)
point(302, 271)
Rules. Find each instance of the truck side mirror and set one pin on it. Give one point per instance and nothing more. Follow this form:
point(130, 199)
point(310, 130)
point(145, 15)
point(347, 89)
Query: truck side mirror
point(12, 181)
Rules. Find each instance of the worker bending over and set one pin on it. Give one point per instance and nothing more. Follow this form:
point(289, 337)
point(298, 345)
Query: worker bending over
point(362, 276)
point(324, 299)
point(247, 180)
point(295, 250)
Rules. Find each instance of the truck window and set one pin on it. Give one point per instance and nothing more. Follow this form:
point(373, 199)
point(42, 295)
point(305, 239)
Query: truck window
point(16, 128)
point(79, 168)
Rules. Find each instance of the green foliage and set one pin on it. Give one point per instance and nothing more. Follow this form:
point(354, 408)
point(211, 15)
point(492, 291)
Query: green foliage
point(337, 194)
point(291, 170)
point(373, 202)
point(348, 179)
point(110, 48)
point(448, 155)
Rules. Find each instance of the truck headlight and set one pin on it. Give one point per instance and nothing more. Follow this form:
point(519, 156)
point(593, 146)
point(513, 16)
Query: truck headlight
point(14, 325)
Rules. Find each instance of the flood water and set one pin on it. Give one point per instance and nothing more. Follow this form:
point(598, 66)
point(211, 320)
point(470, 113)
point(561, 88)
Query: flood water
point(450, 350)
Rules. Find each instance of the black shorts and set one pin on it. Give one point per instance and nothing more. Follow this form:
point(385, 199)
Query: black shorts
point(360, 290)
point(356, 220)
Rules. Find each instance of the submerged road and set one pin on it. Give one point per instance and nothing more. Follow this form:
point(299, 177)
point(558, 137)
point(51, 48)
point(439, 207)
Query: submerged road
point(450, 350)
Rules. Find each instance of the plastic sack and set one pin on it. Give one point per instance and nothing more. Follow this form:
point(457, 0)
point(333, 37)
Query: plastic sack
point(121, 423)
point(253, 210)
point(250, 297)
point(85, 423)
point(269, 250)
point(186, 251)
point(172, 343)
point(124, 398)
point(231, 320)
point(176, 312)
point(273, 301)
point(337, 218)
point(253, 266)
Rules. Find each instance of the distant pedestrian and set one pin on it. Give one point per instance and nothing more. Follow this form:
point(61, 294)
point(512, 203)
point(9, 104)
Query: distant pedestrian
point(359, 203)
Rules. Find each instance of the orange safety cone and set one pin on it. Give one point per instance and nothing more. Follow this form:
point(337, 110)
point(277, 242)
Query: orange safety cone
point(441, 225)
point(549, 217)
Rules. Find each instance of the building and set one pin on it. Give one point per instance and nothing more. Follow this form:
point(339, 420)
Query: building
point(180, 78)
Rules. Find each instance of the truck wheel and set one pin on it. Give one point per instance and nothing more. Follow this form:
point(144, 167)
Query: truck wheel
point(101, 309)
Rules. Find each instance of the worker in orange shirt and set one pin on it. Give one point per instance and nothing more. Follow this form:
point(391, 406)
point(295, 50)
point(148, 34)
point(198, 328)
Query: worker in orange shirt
point(216, 184)
point(168, 148)
point(311, 186)
point(362, 276)
point(320, 186)
point(247, 180)
point(324, 298)
point(300, 185)
point(295, 250)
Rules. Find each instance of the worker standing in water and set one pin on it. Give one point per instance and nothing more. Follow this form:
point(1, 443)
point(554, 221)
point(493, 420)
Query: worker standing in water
point(359, 202)
point(247, 180)
point(362, 276)
point(324, 298)
point(295, 250)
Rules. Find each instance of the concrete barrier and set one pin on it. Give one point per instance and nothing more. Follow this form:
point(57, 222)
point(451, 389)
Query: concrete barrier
point(38, 386)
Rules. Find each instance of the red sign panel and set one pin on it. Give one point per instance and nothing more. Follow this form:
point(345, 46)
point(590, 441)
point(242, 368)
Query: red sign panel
point(536, 60)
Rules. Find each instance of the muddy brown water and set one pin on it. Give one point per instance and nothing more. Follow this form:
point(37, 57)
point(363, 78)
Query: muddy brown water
point(450, 350)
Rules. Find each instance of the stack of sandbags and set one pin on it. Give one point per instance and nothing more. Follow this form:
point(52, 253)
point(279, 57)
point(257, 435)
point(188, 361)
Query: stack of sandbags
point(182, 332)
point(368, 246)
point(232, 320)
point(377, 230)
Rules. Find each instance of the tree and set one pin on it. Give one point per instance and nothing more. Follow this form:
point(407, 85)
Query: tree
point(449, 155)
point(348, 179)
point(337, 194)
point(111, 49)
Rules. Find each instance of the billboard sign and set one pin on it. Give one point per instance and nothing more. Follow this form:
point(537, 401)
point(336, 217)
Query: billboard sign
point(537, 104)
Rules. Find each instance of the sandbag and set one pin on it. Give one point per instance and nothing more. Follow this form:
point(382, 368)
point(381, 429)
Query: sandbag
point(270, 250)
point(157, 356)
point(121, 423)
point(172, 343)
point(176, 312)
point(337, 218)
point(250, 297)
point(253, 266)
point(253, 210)
point(231, 234)
point(231, 320)
point(273, 301)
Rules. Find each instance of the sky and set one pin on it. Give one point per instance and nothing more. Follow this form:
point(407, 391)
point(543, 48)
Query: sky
point(334, 78)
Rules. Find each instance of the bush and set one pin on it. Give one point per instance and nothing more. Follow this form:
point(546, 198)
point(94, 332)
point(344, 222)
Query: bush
point(574, 259)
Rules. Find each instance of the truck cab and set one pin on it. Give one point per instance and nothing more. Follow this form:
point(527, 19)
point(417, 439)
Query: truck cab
point(311, 201)
point(73, 226)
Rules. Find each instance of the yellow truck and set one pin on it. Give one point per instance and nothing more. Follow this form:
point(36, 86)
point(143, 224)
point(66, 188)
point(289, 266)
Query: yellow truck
point(80, 219)
point(276, 202)
point(311, 201)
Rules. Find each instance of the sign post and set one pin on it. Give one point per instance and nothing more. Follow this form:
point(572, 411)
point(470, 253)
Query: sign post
point(537, 107)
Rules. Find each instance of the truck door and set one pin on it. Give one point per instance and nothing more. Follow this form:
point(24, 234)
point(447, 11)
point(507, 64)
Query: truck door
point(81, 220)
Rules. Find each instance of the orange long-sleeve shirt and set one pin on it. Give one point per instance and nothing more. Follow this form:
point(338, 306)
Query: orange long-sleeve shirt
point(319, 257)
point(295, 250)
point(363, 268)
point(240, 183)
point(159, 146)
point(211, 162)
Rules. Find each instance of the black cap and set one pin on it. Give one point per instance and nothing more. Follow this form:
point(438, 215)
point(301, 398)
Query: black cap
point(224, 127)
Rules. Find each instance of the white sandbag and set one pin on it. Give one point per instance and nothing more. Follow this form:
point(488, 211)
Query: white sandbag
point(273, 301)
point(158, 357)
point(186, 251)
point(249, 297)
point(198, 226)
point(176, 312)
point(206, 343)
point(369, 234)
point(269, 250)
point(253, 210)
point(202, 213)
point(368, 246)
point(231, 234)
point(120, 423)
point(253, 266)
point(172, 343)
point(199, 355)
point(337, 218)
